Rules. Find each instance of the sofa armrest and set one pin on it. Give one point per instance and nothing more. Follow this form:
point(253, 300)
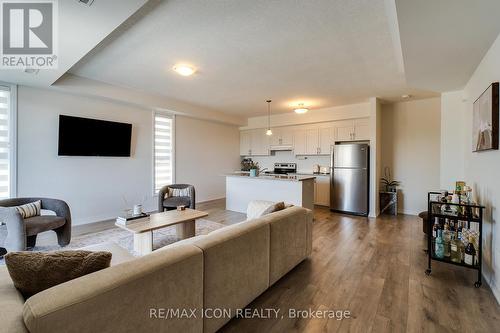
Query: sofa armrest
point(123, 298)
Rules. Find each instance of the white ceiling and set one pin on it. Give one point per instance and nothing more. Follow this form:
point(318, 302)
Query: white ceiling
point(443, 41)
point(322, 52)
point(81, 28)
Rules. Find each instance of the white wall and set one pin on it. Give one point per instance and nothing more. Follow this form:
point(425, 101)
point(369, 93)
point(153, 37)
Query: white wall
point(453, 111)
point(94, 186)
point(411, 148)
point(482, 169)
point(375, 155)
point(204, 152)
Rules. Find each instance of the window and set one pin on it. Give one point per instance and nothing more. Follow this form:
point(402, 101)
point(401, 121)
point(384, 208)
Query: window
point(163, 150)
point(7, 141)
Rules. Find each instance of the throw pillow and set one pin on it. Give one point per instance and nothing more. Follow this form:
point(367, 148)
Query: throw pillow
point(30, 209)
point(258, 208)
point(33, 272)
point(178, 192)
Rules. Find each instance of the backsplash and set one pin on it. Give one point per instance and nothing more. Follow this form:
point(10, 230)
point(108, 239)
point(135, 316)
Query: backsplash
point(304, 163)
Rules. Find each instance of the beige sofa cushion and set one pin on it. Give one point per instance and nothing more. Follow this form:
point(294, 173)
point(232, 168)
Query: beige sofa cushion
point(236, 267)
point(11, 305)
point(290, 239)
point(119, 298)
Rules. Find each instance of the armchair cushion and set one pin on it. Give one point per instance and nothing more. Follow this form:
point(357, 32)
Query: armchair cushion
point(177, 201)
point(38, 224)
point(30, 209)
point(33, 272)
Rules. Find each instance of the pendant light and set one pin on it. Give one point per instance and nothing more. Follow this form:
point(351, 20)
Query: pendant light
point(269, 132)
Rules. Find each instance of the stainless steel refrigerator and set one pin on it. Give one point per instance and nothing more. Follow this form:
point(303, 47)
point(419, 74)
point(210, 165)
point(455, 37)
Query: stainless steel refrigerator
point(349, 180)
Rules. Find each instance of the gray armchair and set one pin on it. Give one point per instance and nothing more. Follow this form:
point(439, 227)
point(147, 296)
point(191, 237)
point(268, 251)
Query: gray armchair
point(21, 233)
point(172, 202)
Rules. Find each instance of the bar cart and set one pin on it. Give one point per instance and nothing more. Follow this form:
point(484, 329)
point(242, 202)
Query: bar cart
point(469, 214)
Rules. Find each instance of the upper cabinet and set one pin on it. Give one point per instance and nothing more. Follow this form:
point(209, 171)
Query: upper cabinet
point(314, 139)
point(361, 129)
point(326, 140)
point(282, 137)
point(245, 143)
point(254, 143)
point(352, 130)
point(299, 141)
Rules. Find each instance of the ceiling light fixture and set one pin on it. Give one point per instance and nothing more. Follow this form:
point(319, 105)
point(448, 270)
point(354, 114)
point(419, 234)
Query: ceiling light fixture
point(184, 70)
point(406, 96)
point(269, 132)
point(301, 109)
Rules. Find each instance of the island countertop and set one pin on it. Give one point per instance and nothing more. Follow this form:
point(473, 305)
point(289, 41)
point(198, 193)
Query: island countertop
point(293, 178)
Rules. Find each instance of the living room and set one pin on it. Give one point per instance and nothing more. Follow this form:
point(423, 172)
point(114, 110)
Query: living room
point(178, 165)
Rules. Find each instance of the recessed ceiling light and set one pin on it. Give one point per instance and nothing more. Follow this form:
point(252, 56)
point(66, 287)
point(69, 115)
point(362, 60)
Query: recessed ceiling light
point(301, 109)
point(184, 70)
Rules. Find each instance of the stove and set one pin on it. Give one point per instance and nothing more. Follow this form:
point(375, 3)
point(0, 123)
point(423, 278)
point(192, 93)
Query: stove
point(285, 168)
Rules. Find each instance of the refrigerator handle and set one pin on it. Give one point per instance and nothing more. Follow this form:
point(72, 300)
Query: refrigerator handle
point(331, 157)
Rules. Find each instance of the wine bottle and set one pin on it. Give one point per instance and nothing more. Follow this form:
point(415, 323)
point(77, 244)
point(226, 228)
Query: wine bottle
point(470, 252)
point(446, 239)
point(439, 245)
point(455, 248)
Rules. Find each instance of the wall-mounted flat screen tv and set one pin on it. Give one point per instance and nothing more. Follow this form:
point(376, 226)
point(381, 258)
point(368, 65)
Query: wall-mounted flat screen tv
point(93, 137)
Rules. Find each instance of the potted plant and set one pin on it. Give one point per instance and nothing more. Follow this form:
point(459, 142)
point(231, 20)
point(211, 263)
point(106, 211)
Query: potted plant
point(254, 169)
point(389, 184)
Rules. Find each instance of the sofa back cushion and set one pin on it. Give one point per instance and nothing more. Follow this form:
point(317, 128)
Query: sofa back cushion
point(128, 297)
point(236, 260)
point(291, 239)
point(11, 305)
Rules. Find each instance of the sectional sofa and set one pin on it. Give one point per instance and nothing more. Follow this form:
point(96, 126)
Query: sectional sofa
point(225, 270)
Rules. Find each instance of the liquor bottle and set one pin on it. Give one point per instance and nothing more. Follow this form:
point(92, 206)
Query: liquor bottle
point(446, 239)
point(459, 229)
point(456, 256)
point(470, 252)
point(439, 245)
point(435, 227)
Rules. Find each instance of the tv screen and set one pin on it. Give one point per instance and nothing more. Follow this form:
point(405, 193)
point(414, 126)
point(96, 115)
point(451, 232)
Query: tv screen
point(92, 137)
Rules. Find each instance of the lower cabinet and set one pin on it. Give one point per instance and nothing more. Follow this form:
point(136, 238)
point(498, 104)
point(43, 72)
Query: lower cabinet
point(322, 191)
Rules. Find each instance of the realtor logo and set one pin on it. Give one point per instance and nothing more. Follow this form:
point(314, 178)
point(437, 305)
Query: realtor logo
point(29, 31)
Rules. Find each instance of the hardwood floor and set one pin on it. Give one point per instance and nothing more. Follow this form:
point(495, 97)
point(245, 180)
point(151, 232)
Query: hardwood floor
point(374, 268)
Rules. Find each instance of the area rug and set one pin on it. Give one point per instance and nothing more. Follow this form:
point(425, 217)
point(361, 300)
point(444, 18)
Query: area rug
point(161, 237)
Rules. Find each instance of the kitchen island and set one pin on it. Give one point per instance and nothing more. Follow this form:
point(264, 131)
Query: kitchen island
point(297, 190)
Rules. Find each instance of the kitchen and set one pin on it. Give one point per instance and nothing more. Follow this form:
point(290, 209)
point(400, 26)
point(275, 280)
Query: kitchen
point(307, 150)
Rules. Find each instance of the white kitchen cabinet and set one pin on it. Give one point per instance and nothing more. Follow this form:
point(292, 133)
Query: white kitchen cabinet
point(344, 131)
point(254, 143)
point(356, 130)
point(312, 141)
point(281, 137)
point(361, 129)
point(326, 140)
point(322, 191)
point(287, 136)
point(299, 141)
point(259, 142)
point(245, 143)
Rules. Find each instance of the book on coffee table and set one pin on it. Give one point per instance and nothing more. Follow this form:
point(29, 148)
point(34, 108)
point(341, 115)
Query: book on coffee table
point(125, 220)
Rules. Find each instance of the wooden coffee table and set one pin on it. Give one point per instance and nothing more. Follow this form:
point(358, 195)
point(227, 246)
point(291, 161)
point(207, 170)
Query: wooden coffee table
point(184, 220)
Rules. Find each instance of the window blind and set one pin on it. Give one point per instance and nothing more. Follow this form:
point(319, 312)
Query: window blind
point(163, 151)
point(5, 144)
